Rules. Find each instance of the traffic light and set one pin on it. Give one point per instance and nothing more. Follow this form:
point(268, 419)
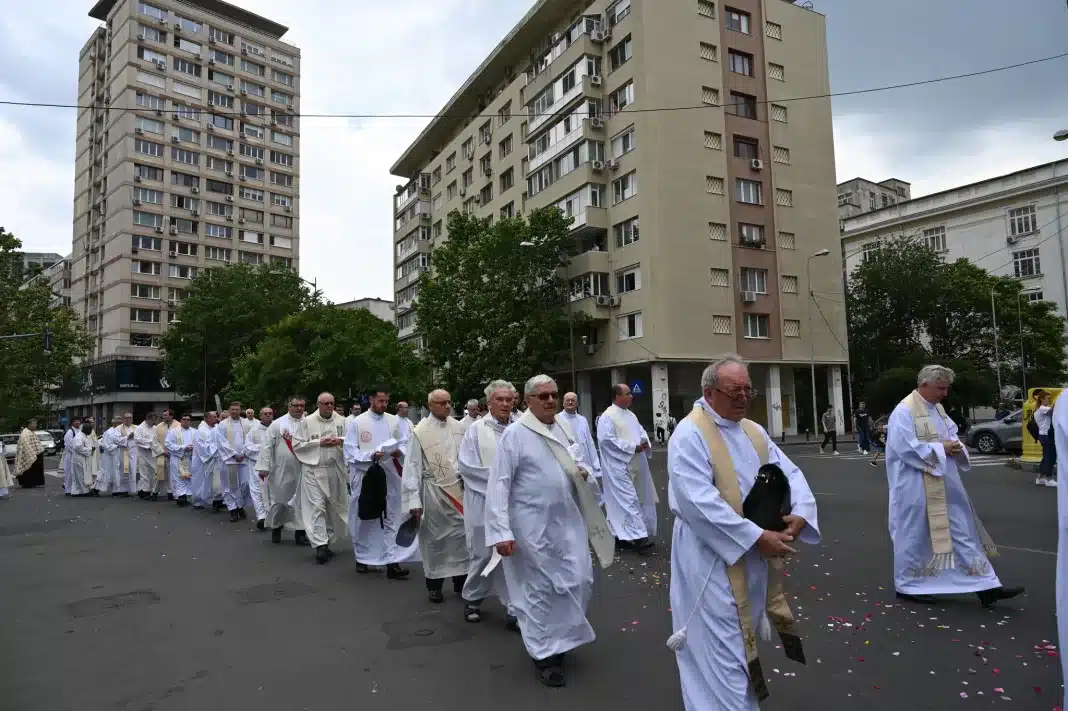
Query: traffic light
point(48, 341)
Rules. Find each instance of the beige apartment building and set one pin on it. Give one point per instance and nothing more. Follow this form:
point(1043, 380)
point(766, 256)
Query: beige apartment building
point(702, 195)
point(187, 160)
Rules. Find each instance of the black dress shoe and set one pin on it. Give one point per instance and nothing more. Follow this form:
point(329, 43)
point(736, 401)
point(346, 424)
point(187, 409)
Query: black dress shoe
point(142, 495)
point(395, 572)
point(217, 506)
point(323, 554)
point(362, 568)
point(512, 623)
point(551, 671)
point(989, 597)
point(234, 518)
point(170, 497)
point(94, 492)
point(301, 538)
point(922, 599)
point(436, 597)
point(276, 535)
point(260, 525)
point(153, 497)
point(242, 513)
point(197, 508)
point(182, 501)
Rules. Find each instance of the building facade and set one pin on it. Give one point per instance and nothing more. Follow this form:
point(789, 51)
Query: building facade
point(187, 160)
point(859, 196)
point(57, 274)
point(698, 192)
point(379, 307)
point(1011, 225)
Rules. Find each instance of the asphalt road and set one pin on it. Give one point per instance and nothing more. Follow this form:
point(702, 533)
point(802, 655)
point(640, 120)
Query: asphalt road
point(129, 606)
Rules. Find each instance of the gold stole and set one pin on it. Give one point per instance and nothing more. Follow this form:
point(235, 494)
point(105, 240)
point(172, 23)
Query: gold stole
point(125, 450)
point(634, 466)
point(778, 609)
point(161, 460)
point(232, 470)
point(183, 460)
point(439, 458)
point(934, 487)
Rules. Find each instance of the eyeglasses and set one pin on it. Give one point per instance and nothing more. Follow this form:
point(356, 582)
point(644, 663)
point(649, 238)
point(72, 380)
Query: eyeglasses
point(441, 402)
point(746, 394)
point(546, 397)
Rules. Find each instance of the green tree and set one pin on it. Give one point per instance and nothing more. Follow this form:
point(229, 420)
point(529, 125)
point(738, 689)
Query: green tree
point(493, 306)
point(26, 372)
point(226, 313)
point(333, 349)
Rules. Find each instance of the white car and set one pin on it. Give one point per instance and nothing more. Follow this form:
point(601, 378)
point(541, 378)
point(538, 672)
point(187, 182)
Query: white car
point(47, 440)
point(10, 444)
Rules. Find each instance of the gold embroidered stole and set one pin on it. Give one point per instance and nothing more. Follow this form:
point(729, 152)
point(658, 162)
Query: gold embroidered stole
point(634, 466)
point(440, 446)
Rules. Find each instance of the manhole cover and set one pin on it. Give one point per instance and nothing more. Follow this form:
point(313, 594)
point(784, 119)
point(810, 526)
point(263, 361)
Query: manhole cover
point(273, 591)
point(103, 605)
point(425, 631)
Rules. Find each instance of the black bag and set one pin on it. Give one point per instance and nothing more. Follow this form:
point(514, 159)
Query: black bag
point(769, 499)
point(1032, 427)
point(372, 501)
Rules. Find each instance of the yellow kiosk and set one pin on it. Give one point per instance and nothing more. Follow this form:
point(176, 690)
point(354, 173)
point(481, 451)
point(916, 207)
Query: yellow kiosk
point(1032, 448)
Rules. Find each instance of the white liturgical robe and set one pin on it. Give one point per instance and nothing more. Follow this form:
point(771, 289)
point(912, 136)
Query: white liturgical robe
point(254, 440)
point(111, 477)
point(466, 422)
point(530, 500)
point(147, 450)
point(708, 537)
point(375, 542)
point(581, 427)
point(233, 474)
point(630, 498)
point(178, 439)
point(906, 459)
point(83, 451)
point(1060, 431)
point(324, 505)
point(477, 452)
point(205, 465)
point(68, 449)
point(281, 493)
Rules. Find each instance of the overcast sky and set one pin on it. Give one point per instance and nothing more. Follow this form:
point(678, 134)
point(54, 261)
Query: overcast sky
point(409, 56)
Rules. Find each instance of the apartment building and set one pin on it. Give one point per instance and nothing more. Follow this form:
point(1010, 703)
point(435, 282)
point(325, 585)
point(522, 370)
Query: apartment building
point(859, 195)
point(1010, 225)
point(57, 274)
point(701, 195)
point(23, 264)
point(187, 160)
point(379, 307)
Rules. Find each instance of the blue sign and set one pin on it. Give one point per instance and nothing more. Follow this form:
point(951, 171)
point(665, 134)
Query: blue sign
point(637, 388)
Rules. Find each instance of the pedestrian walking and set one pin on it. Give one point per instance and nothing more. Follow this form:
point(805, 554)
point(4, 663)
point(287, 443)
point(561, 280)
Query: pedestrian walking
point(830, 430)
point(862, 426)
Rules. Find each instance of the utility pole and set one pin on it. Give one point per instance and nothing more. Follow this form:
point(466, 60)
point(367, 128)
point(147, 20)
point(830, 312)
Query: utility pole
point(997, 358)
point(1023, 361)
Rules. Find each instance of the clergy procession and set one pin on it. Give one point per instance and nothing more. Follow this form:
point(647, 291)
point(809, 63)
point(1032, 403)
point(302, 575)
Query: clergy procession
point(518, 500)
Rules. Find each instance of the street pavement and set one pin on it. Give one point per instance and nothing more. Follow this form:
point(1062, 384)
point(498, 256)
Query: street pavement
point(130, 606)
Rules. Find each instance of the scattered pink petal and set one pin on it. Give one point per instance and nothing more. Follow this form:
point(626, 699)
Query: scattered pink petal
point(999, 690)
point(964, 694)
point(997, 671)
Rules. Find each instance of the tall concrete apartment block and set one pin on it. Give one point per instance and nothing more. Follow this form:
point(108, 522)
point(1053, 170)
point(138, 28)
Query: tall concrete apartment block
point(187, 160)
point(702, 193)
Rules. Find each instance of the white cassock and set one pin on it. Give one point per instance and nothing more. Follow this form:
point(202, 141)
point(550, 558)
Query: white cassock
point(128, 445)
point(1060, 431)
point(254, 440)
point(323, 499)
point(375, 542)
point(164, 474)
point(906, 459)
point(81, 471)
point(68, 448)
point(629, 495)
point(181, 461)
point(6, 480)
point(581, 427)
point(233, 473)
point(281, 493)
point(477, 452)
point(708, 537)
point(205, 465)
point(466, 422)
point(404, 427)
point(432, 483)
point(110, 478)
point(147, 450)
point(530, 500)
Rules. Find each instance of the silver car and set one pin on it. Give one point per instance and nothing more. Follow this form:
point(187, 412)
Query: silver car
point(1003, 434)
point(9, 443)
point(47, 441)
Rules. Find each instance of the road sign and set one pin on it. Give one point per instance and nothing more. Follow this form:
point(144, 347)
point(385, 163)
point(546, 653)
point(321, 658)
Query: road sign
point(637, 388)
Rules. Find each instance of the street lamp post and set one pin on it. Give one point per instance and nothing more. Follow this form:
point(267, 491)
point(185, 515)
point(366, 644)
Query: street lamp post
point(1023, 365)
point(811, 337)
point(570, 313)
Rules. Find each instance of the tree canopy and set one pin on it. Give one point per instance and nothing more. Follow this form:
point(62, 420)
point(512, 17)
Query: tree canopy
point(492, 308)
point(26, 371)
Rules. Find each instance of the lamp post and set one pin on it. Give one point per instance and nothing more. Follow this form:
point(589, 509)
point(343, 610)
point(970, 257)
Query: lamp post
point(811, 337)
point(997, 357)
point(570, 318)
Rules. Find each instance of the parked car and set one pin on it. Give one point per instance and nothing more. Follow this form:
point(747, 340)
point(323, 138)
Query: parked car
point(1004, 434)
point(57, 435)
point(9, 443)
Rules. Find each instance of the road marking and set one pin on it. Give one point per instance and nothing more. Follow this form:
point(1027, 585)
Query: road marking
point(54, 472)
point(1026, 550)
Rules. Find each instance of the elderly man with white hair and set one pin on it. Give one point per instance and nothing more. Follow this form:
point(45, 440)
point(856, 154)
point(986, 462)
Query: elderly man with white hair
point(471, 415)
point(540, 513)
point(318, 444)
point(940, 545)
point(726, 569)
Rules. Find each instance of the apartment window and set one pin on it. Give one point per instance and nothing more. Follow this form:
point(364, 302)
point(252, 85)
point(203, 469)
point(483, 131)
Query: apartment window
point(748, 191)
point(776, 71)
point(151, 55)
point(250, 173)
point(221, 36)
point(216, 98)
point(252, 109)
point(281, 221)
point(756, 325)
point(873, 201)
point(183, 202)
point(626, 232)
point(283, 77)
point(789, 284)
point(623, 142)
point(180, 271)
point(223, 122)
point(485, 196)
point(935, 238)
point(485, 133)
point(217, 254)
point(717, 231)
point(184, 180)
point(186, 90)
point(151, 11)
point(784, 198)
point(450, 162)
point(617, 11)
point(189, 25)
point(709, 52)
point(468, 177)
point(253, 216)
point(279, 158)
point(754, 280)
point(184, 249)
point(787, 240)
point(504, 114)
point(185, 226)
point(148, 148)
point(773, 30)
point(746, 148)
point(187, 134)
point(778, 113)
point(782, 155)
point(1033, 296)
point(621, 98)
point(1023, 221)
point(222, 209)
point(280, 97)
point(150, 102)
point(629, 279)
point(282, 119)
point(630, 326)
point(624, 188)
point(186, 67)
point(740, 62)
point(252, 131)
point(485, 163)
point(217, 186)
point(148, 172)
point(154, 244)
point(282, 179)
point(791, 328)
point(151, 79)
point(505, 146)
point(147, 219)
point(620, 54)
point(736, 20)
point(714, 185)
point(254, 152)
point(508, 211)
point(186, 112)
point(451, 191)
point(706, 8)
point(281, 200)
point(220, 144)
point(869, 252)
point(719, 277)
point(251, 237)
point(281, 242)
point(219, 231)
point(507, 179)
point(714, 140)
point(152, 33)
point(144, 340)
point(253, 68)
point(187, 46)
point(743, 105)
point(220, 78)
point(1026, 263)
point(139, 266)
point(180, 155)
point(144, 315)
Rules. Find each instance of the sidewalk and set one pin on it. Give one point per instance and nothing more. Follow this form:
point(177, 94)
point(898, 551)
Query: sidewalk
point(848, 439)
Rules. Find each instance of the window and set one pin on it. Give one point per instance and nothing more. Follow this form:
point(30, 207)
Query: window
point(147, 219)
point(139, 266)
point(189, 25)
point(150, 55)
point(281, 138)
point(281, 221)
point(144, 340)
point(144, 315)
point(279, 158)
point(777, 72)
point(221, 36)
point(147, 125)
point(630, 326)
point(756, 325)
point(791, 328)
point(154, 244)
point(280, 97)
point(629, 279)
point(616, 13)
point(784, 198)
point(148, 148)
point(282, 179)
point(154, 197)
point(222, 209)
point(736, 20)
point(187, 46)
point(186, 67)
point(935, 238)
point(873, 201)
point(587, 285)
point(220, 78)
point(180, 271)
point(187, 134)
point(283, 77)
point(253, 216)
point(152, 33)
point(151, 11)
point(249, 48)
point(184, 180)
point(778, 113)
point(1026, 263)
point(789, 284)
point(1023, 221)
point(185, 226)
point(621, 98)
point(284, 242)
point(151, 79)
point(219, 143)
point(184, 249)
point(218, 254)
point(507, 179)
point(782, 155)
point(754, 280)
point(624, 188)
point(148, 172)
point(252, 109)
point(186, 112)
point(713, 185)
point(284, 59)
point(252, 131)
point(740, 62)
point(485, 196)
point(281, 200)
point(186, 90)
point(508, 211)
point(216, 98)
point(220, 231)
point(450, 191)
point(620, 54)
point(623, 142)
point(869, 252)
point(504, 114)
point(505, 146)
point(253, 68)
point(217, 186)
point(485, 163)
point(706, 8)
point(746, 148)
point(748, 191)
point(773, 30)
point(751, 235)
point(626, 232)
point(743, 105)
point(717, 231)
point(714, 140)
point(468, 177)
point(150, 102)
point(787, 240)
point(450, 162)
point(248, 172)
point(709, 52)
point(251, 237)
point(180, 155)
point(1033, 296)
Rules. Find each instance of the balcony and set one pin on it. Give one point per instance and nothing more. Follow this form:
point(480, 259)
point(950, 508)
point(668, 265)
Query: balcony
point(585, 131)
point(580, 46)
point(589, 306)
point(590, 262)
point(401, 202)
point(406, 331)
point(583, 88)
point(421, 212)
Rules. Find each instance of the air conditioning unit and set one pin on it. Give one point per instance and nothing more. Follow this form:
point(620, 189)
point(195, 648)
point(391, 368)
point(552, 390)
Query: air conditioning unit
point(194, 212)
point(289, 208)
point(602, 300)
point(477, 200)
point(1012, 239)
point(612, 164)
point(177, 26)
point(194, 190)
point(463, 192)
point(136, 202)
point(597, 36)
point(174, 139)
point(174, 230)
point(226, 262)
point(756, 164)
point(241, 221)
point(229, 198)
point(133, 250)
point(229, 218)
point(161, 65)
point(230, 88)
point(137, 178)
point(597, 166)
point(748, 297)
point(596, 122)
point(211, 60)
point(470, 155)
point(159, 112)
point(175, 116)
point(159, 230)
point(211, 127)
point(259, 161)
point(141, 37)
point(229, 174)
point(488, 172)
point(242, 178)
point(595, 80)
point(172, 252)
point(230, 152)
point(244, 92)
point(607, 32)
point(139, 131)
point(244, 50)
